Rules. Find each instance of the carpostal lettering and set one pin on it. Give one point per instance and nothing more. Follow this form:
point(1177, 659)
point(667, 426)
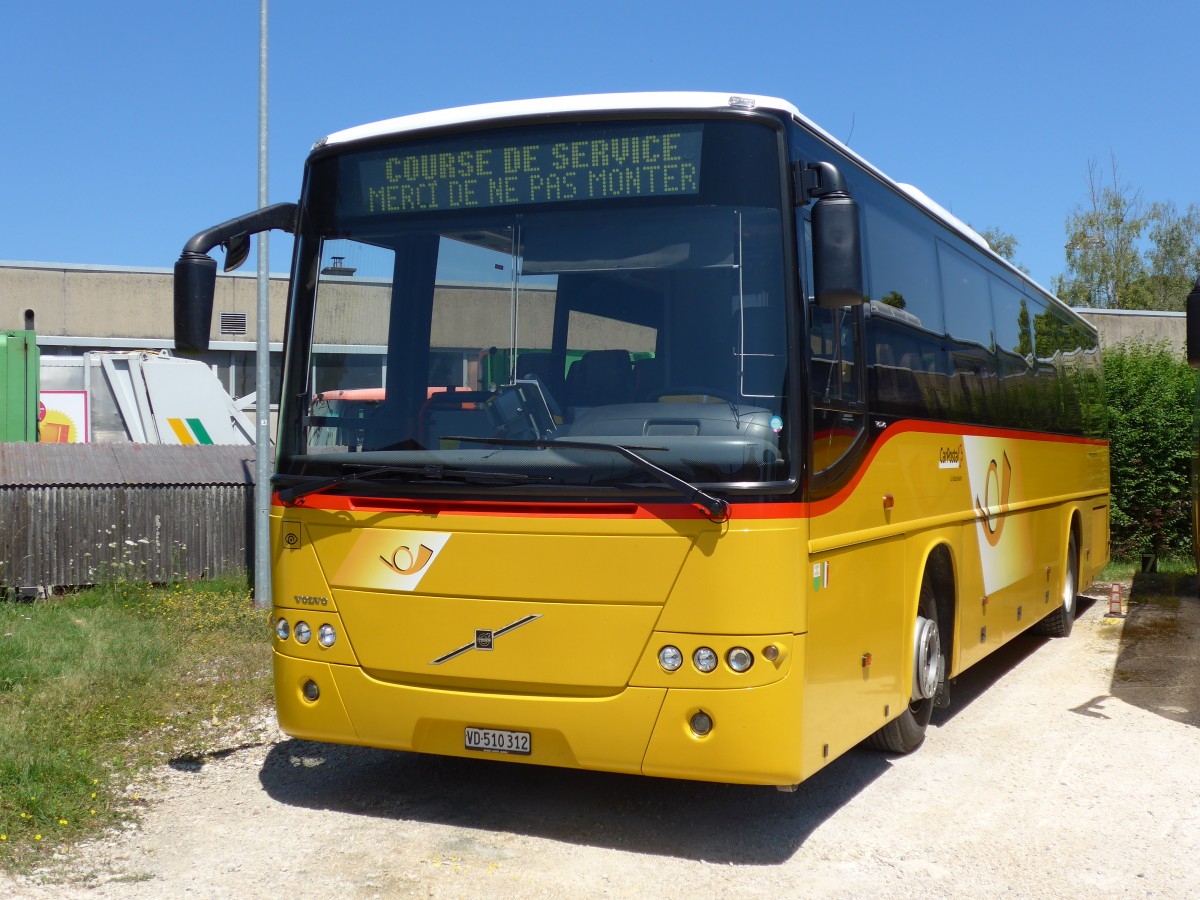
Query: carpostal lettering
point(642, 161)
point(950, 457)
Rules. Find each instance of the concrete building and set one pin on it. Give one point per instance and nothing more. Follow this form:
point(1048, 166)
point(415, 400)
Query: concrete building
point(77, 308)
point(1118, 326)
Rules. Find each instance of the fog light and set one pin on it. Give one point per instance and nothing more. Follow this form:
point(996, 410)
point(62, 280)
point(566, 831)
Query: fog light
point(282, 629)
point(701, 723)
point(670, 658)
point(705, 659)
point(303, 632)
point(739, 658)
point(326, 635)
point(311, 691)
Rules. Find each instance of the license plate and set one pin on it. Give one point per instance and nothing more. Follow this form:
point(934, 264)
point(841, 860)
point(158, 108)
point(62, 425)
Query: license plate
point(490, 740)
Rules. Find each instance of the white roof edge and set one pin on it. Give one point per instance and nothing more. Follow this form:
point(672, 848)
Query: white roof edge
point(509, 109)
point(925, 200)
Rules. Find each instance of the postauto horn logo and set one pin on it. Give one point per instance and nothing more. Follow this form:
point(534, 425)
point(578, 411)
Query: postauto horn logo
point(405, 562)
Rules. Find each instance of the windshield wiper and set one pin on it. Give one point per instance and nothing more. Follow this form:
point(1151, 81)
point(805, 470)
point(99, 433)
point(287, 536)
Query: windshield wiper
point(714, 507)
point(431, 472)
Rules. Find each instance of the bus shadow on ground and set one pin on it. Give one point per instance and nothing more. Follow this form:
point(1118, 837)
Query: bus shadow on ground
point(1158, 661)
point(714, 823)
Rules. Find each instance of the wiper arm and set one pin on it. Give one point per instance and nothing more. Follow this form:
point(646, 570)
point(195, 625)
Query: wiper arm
point(431, 472)
point(714, 507)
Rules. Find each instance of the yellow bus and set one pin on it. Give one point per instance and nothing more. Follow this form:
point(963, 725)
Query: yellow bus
point(777, 447)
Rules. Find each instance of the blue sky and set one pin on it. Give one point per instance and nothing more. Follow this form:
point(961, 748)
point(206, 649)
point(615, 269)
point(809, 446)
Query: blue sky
point(129, 126)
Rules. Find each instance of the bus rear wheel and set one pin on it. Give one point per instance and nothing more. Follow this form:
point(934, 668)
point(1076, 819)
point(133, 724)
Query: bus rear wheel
point(906, 732)
point(1060, 622)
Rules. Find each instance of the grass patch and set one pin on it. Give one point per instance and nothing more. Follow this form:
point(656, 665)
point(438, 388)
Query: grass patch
point(96, 686)
point(1126, 569)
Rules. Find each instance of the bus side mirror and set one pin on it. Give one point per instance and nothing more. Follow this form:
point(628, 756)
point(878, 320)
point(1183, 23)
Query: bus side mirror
point(195, 284)
point(196, 271)
point(836, 238)
point(1193, 326)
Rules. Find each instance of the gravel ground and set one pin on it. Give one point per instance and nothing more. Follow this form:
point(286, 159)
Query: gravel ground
point(1062, 769)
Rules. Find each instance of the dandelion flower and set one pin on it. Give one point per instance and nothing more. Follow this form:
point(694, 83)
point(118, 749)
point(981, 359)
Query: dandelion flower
point(37, 837)
point(63, 822)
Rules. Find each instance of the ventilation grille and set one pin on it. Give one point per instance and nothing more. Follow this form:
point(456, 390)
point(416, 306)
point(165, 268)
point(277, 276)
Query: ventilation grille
point(233, 323)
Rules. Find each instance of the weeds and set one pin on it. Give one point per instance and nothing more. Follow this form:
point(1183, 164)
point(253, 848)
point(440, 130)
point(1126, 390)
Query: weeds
point(96, 686)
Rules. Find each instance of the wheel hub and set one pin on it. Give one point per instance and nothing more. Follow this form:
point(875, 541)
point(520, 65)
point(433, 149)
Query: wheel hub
point(927, 653)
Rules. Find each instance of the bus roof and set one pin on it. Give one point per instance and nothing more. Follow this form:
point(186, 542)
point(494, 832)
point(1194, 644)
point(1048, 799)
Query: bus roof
point(512, 109)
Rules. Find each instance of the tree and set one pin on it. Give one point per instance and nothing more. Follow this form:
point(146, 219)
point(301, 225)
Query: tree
point(1103, 260)
point(1123, 255)
point(1173, 261)
point(1004, 244)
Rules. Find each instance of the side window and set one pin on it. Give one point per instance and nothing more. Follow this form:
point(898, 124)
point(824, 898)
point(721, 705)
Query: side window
point(968, 308)
point(836, 381)
point(1014, 354)
point(904, 270)
point(912, 373)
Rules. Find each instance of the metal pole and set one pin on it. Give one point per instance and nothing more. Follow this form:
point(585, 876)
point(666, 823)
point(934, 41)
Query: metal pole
point(262, 354)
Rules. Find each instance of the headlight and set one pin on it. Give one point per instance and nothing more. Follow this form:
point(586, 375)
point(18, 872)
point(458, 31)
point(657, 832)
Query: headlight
point(326, 635)
point(705, 659)
point(670, 658)
point(303, 632)
point(739, 658)
point(282, 629)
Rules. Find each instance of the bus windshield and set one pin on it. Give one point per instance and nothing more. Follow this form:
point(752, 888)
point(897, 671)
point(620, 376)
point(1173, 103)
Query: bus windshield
point(620, 283)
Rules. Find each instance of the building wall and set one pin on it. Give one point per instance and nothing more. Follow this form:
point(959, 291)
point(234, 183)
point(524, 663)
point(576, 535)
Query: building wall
point(1117, 326)
point(109, 302)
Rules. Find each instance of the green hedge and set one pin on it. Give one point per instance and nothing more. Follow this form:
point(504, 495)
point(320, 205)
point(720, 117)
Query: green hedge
point(1150, 394)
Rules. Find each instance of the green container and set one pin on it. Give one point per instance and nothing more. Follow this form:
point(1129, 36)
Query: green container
point(20, 371)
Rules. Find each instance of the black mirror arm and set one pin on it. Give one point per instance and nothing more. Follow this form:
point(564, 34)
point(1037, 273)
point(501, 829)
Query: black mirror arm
point(236, 231)
point(817, 180)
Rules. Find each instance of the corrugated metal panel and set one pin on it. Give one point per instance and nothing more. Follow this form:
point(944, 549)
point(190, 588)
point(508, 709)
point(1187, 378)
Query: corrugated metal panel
point(122, 463)
point(55, 536)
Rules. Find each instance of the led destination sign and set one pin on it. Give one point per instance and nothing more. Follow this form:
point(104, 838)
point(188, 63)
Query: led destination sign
point(501, 170)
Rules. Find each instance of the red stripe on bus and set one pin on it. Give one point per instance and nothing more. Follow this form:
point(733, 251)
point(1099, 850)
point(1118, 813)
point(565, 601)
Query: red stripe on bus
point(764, 509)
point(913, 426)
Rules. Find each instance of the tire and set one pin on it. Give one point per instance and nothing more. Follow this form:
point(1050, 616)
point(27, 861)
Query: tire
point(906, 732)
point(1060, 622)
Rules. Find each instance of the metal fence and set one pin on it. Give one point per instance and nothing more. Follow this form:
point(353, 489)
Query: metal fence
point(73, 515)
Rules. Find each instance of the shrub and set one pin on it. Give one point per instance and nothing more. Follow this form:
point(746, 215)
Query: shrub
point(1151, 395)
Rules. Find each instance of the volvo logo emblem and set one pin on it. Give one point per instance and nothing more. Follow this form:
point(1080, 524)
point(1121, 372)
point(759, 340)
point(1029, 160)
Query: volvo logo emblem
point(485, 639)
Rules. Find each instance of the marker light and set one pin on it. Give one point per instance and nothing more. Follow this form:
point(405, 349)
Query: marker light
point(282, 629)
point(739, 658)
point(701, 723)
point(303, 632)
point(670, 658)
point(705, 659)
point(326, 635)
point(311, 691)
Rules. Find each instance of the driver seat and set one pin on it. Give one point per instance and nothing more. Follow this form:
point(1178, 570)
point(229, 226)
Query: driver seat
point(600, 378)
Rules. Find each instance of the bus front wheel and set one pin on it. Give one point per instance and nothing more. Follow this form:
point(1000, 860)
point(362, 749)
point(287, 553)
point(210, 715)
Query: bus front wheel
point(906, 732)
